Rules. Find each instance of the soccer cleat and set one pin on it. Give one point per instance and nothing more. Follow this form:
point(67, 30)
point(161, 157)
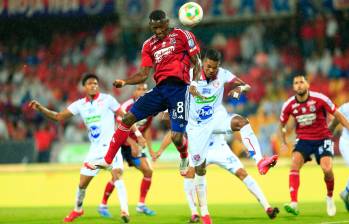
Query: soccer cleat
point(125, 218)
point(272, 212)
point(266, 163)
point(345, 197)
point(73, 215)
point(291, 209)
point(331, 206)
point(97, 164)
point(184, 166)
point(144, 209)
point(104, 211)
point(206, 219)
point(194, 219)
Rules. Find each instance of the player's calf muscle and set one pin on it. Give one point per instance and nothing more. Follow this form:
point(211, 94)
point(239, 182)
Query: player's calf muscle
point(237, 123)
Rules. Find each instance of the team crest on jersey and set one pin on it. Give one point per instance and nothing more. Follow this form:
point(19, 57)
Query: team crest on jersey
point(172, 41)
point(191, 43)
point(312, 108)
point(196, 157)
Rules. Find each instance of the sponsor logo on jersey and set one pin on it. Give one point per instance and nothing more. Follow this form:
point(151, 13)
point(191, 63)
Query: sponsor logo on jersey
point(160, 54)
point(210, 99)
point(306, 119)
point(95, 131)
point(205, 112)
point(93, 119)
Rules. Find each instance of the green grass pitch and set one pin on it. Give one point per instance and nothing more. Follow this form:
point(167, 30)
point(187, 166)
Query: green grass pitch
point(45, 194)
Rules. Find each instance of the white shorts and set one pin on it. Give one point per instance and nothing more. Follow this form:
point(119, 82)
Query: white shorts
point(97, 152)
point(219, 153)
point(343, 148)
point(199, 135)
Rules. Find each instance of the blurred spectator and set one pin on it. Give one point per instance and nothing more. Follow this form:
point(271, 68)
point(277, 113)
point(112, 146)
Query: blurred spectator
point(3, 130)
point(44, 137)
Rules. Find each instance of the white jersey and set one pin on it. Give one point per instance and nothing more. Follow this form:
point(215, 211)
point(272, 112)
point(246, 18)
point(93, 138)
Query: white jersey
point(202, 110)
point(98, 116)
point(344, 109)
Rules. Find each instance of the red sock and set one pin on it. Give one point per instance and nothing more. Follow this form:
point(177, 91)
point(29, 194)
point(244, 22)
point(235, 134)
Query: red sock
point(145, 185)
point(330, 187)
point(294, 184)
point(107, 192)
point(119, 138)
point(183, 149)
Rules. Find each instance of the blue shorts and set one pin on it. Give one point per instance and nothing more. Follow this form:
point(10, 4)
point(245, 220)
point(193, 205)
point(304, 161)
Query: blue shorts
point(168, 95)
point(126, 152)
point(319, 148)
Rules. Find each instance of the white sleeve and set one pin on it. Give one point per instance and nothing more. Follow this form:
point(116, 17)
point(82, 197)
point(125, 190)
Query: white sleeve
point(227, 75)
point(113, 103)
point(344, 109)
point(74, 108)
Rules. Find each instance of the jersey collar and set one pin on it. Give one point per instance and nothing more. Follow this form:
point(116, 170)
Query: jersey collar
point(88, 99)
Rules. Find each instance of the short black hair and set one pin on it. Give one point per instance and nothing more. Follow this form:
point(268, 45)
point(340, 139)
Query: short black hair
point(157, 15)
point(213, 55)
point(299, 75)
point(89, 76)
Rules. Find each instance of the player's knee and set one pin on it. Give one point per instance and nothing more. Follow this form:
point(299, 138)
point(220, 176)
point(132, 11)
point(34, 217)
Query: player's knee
point(177, 138)
point(190, 173)
point(241, 174)
point(238, 122)
point(129, 119)
point(200, 170)
point(327, 169)
point(147, 172)
point(116, 174)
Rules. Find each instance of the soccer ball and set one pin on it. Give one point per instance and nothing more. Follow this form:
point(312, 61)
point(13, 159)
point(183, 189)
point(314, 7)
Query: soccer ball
point(190, 14)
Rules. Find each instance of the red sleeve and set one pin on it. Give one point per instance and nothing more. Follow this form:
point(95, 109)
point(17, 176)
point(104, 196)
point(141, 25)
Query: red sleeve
point(328, 104)
point(147, 61)
point(191, 45)
point(285, 113)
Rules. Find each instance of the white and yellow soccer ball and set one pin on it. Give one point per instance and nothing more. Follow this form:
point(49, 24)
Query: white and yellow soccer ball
point(190, 14)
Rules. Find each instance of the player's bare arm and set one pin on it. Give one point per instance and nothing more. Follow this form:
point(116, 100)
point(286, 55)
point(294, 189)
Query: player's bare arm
point(164, 144)
point(136, 78)
point(149, 141)
point(283, 132)
point(238, 87)
point(196, 71)
point(53, 115)
point(333, 124)
point(341, 119)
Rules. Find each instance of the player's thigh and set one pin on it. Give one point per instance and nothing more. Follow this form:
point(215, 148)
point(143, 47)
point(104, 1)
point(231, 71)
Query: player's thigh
point(222, 156)
point(118, 162)
point(323, 148)
point(178, 107)
point(301, 153)
point(151, 103)
point(199, 139)
point(344, 149)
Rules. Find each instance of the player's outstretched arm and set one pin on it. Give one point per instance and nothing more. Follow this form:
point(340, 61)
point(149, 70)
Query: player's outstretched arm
point(136, 78)
point(341, 119)
point(238, 87)
point(53, 115)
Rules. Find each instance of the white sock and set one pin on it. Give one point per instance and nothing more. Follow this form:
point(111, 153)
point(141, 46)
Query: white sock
point(122, 194)
point(79, 199)
point(250, 141)
point(200, 186)
point(190, 193)
point(254, 188)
